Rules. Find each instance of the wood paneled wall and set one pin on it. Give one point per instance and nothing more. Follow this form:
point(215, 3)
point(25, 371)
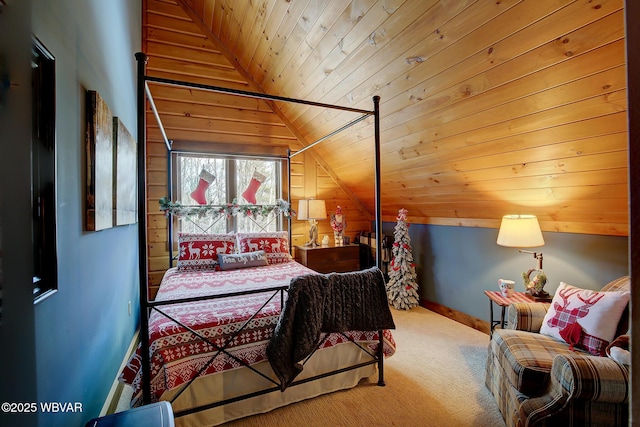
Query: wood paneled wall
point(488, 107)
point(197, 119)
point(310, 180)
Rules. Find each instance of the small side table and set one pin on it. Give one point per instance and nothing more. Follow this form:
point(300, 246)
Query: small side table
point(496, 297)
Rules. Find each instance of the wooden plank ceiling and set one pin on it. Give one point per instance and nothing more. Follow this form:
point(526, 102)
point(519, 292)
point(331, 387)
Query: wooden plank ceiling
point(488, 107)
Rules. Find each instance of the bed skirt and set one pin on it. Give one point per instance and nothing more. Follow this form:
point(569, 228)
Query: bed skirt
point(229, 384)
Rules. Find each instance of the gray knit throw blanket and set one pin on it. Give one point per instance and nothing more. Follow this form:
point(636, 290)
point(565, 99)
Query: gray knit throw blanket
point(318, 303)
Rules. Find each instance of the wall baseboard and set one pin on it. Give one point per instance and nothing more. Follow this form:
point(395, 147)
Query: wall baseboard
point(458, 316)
point(111, 402)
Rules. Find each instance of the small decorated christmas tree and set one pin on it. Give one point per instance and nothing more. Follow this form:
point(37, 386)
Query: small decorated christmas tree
point(402, 289)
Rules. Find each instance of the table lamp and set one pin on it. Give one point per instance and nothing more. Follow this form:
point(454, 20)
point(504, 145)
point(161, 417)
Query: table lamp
point(312, 210)
point(523, 231)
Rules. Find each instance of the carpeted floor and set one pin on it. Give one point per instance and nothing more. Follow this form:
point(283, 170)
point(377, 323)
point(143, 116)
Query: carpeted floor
point(436, 378)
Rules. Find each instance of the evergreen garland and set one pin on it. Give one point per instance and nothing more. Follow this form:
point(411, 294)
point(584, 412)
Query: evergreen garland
point(228, 210)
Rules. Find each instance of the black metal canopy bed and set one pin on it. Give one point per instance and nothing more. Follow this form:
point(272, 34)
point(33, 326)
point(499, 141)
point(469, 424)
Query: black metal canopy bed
point(250, 329)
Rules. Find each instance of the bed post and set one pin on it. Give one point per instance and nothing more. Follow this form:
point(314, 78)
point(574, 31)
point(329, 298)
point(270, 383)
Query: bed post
point(142, 229)
point(376, 110)
point(380, 354)
point(376, 117)
point(289, 223)
point(170, 196)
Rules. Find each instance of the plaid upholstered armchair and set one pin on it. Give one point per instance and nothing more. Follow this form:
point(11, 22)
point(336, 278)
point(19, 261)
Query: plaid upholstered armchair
point(539, 379)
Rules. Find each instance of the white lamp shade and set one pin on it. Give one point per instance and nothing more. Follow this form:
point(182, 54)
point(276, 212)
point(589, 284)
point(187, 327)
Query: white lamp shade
point(312, 209)
point(520, 231)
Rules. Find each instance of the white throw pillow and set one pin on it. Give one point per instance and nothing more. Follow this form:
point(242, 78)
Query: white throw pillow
point(584, 318)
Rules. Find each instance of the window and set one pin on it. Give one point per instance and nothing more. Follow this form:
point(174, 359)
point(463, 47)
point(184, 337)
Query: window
point(234, 176)
point(43, 160)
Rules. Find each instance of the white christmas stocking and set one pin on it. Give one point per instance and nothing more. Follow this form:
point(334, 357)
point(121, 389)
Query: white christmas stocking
point(200, 193)
point(256, 181)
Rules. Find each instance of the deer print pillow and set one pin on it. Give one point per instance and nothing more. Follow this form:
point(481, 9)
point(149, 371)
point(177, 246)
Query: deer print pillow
point(274, 243)
point(583, 318)
point(200, 251)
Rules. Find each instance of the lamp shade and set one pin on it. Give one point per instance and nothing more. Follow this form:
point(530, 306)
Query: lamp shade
point(520, 231)
point(312, 209)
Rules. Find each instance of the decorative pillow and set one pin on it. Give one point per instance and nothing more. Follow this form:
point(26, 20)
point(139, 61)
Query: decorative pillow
point(242, 260)
point(200, 251)
point(619, 348)
point(274, 243)
point(583, 318)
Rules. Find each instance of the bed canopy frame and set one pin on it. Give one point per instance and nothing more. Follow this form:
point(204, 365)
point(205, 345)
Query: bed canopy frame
point(143, 95)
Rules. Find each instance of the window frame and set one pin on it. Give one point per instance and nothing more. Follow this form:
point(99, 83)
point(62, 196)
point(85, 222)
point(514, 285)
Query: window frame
point(232, 192)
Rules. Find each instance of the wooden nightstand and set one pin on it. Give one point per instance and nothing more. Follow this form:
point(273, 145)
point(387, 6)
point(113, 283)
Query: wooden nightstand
point(328, 259)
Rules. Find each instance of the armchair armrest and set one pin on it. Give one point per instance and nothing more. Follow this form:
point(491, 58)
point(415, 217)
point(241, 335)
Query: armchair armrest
point(594, 378)
point(588, 378)
point(524, 316)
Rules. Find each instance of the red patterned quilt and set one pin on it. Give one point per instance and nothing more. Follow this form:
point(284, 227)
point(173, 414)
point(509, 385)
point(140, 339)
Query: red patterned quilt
point(177, 355)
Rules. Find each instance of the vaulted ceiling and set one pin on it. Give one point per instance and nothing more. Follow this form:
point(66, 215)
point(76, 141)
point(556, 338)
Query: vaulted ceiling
point(487, 107)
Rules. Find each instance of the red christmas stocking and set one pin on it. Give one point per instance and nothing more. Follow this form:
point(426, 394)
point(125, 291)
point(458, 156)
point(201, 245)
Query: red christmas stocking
point(256, 181)
point(199, 194)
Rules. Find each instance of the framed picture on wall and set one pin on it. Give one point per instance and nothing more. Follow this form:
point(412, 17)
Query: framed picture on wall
point(99, 141)
point(125, 200)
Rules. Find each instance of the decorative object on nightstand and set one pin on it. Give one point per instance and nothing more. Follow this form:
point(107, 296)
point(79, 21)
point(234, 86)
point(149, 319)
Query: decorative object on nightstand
point(506, 287)
point(338, 223)
point(312, 210)
point(523, 231)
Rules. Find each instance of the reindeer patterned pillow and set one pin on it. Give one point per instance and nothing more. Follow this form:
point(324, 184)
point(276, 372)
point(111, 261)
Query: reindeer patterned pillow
point(274, 243)
point(200, 251)
point(583, 318)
